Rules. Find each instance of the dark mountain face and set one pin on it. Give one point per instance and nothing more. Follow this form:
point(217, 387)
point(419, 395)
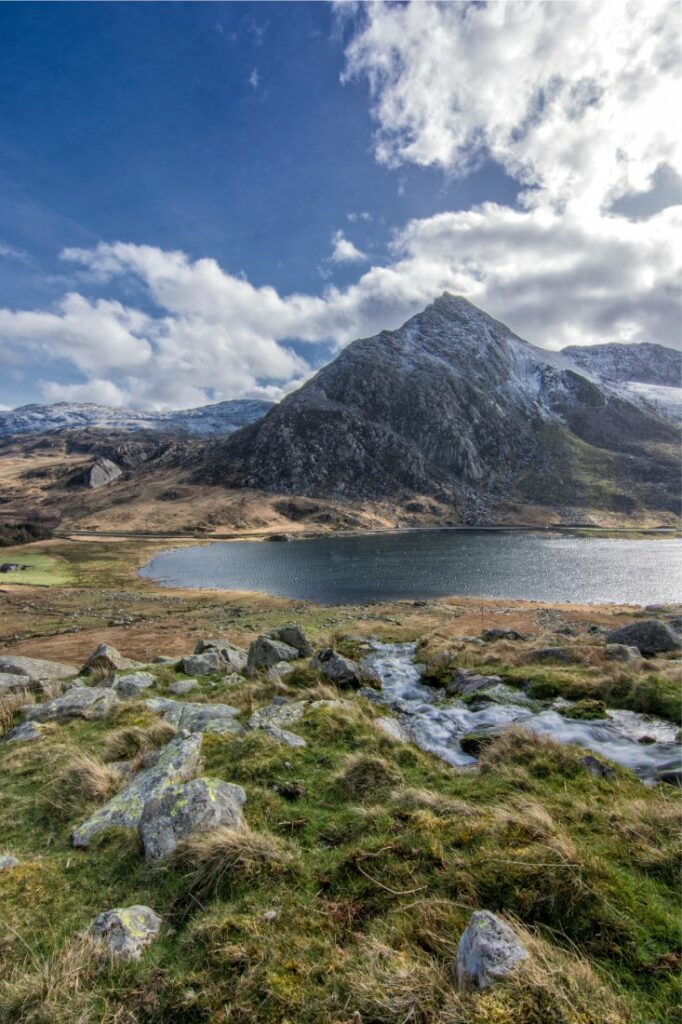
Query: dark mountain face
point(453, 404)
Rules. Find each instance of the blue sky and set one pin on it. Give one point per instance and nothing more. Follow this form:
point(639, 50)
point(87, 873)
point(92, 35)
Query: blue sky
point(270, 139)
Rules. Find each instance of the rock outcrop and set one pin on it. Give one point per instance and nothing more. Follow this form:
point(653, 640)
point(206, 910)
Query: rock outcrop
point(650, 637)
point(265, 652)
point(78, 702)
point(187, 808)
point(101, 473)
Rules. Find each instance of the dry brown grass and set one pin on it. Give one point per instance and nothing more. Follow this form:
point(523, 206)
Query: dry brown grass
point(368, 777)
point(135, 741)
point(423, 799)
point(57, 990)
point(10, 703)
point(210, 858)
point(83, 780)
point(391, 986)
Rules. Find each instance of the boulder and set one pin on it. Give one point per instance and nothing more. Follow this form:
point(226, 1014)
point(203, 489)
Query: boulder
point(279, 712)
point(36, 669)
point(177, 762)
point(465, 682)
point(24, 733)
point(11, 683)
point(292, 635)
point(101, 473)
point(265, 652)
point(187, 808)
point(289, 739)
point(107, 659)
point(596, 768)
point(183, 686)
point(7, 862)
point(344, 672)
point(392, 728)
point(650, 637)
point(78, 702)
point(622, 652)
point(208, 664)
point(488, 951)
point(133, 684)
point(675, 622)
point(127, 930)
point(560, 655)
point(496, 633)
point(232, 657)
point(195, 718)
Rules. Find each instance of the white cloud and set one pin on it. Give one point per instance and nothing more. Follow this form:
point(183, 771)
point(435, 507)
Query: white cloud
point(356, 216)
point(101, 392)
point(344, 251)
point(254, 79)
point(10, 253)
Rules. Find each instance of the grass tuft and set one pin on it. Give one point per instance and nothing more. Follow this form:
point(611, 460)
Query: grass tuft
point(214, 858)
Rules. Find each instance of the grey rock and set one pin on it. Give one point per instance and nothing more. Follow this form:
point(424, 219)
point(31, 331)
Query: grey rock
point(496, 633)
point(675, 622)
point(177, 762)
point(27, 732)
point(651, 637)
point(208, 664)
point(289, 739)
point(108, 659)
point(265, 652)
point(280, 712)
point(133, 684)
point(392, 728)
point(183, 686)
point(11, 683)
point(344, 672)
point(101, 473)
point(187, 808)
point(127, 930)
point(560, 655)
point(465, 682)
point(488, 951)
point(233, 658)
point(78, 702)
point(7, 862)
point(36, 668)
point(195, 718)
point(292, 635)
point(622, 652)
point(597, 768)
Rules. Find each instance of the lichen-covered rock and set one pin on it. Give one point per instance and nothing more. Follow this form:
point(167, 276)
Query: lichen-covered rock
point(11, 683)
point(233, 658)
point(107, 659)
point(36, 669)
point(78, 702)
point(488, 951)
point(280, 712)
point(127, 930)
point(289, 739)
point(622, 652)
point(186, 808)
point(265, 652)
point(650, 637)
point(208, 664)
point(133, 684)
point(344, 672)
point(24, 733)
point(183, 686)
point(7, 862)
point(292, 635)
point(177, 762)
point(218, 718)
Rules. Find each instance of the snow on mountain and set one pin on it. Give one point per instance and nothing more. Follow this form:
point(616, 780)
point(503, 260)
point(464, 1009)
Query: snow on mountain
point(216, 420)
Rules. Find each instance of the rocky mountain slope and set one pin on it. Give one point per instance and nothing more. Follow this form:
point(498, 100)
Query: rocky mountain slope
point(209, 420)
point(456, 406)
point(643, 363)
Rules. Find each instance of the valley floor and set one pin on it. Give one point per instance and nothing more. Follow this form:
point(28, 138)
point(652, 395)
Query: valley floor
point(344, 900)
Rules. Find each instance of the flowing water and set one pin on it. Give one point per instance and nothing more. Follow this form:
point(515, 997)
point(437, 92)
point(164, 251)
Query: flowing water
point(437, 723)
point(434, 563)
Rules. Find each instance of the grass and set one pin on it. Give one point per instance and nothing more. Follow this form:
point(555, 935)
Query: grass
point(44, 570)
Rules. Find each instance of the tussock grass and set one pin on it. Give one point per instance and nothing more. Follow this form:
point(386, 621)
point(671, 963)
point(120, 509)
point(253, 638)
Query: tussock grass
point(83, 780)
point(211, 858)
point(135, 741)
point(368, 777)
point(10, 703)
point(389, 985)
point(55, 990)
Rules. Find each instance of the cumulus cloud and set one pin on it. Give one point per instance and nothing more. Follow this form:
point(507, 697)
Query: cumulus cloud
point(101, 392)
point(345, 251)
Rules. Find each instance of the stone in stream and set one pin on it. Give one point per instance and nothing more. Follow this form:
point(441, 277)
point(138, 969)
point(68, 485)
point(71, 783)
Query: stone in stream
point(24, 733)
point(183, 686)
point(232, 657)
point(292, 635)
point(218, 718)
point(177, 762)
point(344, 672)
point(36, 669)
point(127, 930)
point(651, 637)
point(265, 652)
point(488, 951)
point(187, 808)
point(107, 659)
point(133, 684)
point(7, 862)
point(622, 652)
point(79, 702)
point(465, 682)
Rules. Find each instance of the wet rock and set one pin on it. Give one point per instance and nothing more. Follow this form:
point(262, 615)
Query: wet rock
point(343, 672)
point(622, 652)
point(127, 930)
point(134, 684)
point(264, 653)
point(502, 634)
point(27, 732)
point(106, 658)
point(279, 713)
point(560, 655)
point(488, 951)
point(36, 669)
point(195, 718)
point(187, 808)
point(208, 664)
point(474, 742)
point(233, 658)
point(177, 762)
point(183, 686)
point(651, 637)
point(78, 702)
point(292, 635)
point(465, 682)
point(101, 473)
point(597, 768)
point(7, 862)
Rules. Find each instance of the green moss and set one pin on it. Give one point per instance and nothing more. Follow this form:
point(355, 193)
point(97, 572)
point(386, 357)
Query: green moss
point(585, 710)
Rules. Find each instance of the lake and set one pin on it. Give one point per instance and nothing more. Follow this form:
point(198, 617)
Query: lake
point(434, 563)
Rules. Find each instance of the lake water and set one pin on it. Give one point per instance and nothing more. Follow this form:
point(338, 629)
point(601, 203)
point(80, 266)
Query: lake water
point(434, 563)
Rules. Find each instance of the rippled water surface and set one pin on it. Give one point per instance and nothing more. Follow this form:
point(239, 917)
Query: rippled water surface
point(434, 563)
